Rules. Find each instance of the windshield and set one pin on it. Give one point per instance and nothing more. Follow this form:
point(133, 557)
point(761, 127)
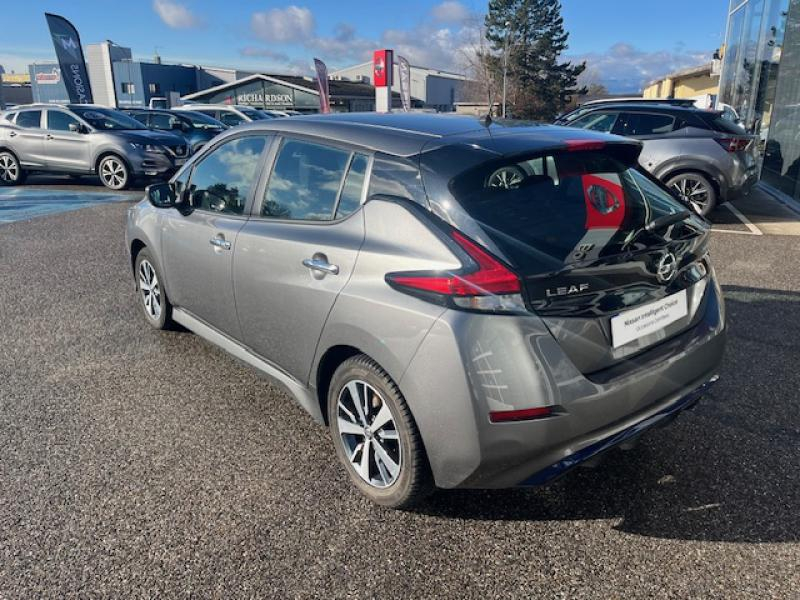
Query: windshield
point(106, 119)
point(549, 211)
point(253, 114)
point(201, 121)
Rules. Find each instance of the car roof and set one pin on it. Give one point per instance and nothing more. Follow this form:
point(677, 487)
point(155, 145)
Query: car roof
point(645, 107)
point(406, 134)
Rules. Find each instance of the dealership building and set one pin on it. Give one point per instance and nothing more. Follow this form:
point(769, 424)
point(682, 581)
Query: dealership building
point(760, 79)
point(120, 81)
point(435, 89)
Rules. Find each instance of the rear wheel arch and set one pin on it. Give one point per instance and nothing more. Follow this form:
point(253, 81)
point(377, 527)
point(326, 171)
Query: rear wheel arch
point(713, 175)
point(137, 246)
point(328, 363)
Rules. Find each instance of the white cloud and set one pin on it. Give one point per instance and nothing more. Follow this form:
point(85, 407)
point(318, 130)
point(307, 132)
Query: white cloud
point(624, 68)
point(290, 24)
point(175, 15)
point(253, 51)
point(450, 11)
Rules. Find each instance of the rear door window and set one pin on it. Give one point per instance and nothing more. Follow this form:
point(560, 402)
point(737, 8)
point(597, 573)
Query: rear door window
point(163, 121)
point(631, 124)
point(30, 119)
point(305, 181)
point(141, 117)
point(596, 121)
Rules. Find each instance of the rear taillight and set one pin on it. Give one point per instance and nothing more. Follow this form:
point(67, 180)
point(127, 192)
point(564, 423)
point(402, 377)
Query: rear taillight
point(485, 284)
point(525, 414)
point(584, 145)
point(734, 144)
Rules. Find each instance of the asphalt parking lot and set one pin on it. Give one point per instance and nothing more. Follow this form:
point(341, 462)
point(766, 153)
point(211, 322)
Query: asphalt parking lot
point(143, 464)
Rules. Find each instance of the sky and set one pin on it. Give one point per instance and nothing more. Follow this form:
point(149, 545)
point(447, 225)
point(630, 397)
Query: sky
point(625, 42)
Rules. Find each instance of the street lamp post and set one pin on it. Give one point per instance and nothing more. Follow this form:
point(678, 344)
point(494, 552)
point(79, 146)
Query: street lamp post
point(505, 66)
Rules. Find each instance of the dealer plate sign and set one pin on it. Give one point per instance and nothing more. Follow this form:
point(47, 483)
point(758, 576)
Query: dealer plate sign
point(644, 320)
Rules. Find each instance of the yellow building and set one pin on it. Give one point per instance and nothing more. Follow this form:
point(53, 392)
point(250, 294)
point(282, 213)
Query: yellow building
point(688, 83)
point(21, 78)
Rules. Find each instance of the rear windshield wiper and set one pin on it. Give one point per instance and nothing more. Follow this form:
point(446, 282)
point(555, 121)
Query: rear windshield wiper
point(666, 220)
point(658, 223)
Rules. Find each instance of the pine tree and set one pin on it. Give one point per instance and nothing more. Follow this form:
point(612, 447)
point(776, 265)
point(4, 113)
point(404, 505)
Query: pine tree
point(532, 33)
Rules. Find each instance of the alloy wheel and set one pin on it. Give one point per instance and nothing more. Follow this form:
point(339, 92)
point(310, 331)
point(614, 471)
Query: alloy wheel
point(113, 173)
point(150, 289)
point(368, 434)
point(693, 191)
point(9, 168)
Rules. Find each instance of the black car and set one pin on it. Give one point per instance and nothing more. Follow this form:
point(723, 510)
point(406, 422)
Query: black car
point(195, 127)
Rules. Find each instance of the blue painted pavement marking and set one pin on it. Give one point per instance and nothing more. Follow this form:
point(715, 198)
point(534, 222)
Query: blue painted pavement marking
point(19, 204)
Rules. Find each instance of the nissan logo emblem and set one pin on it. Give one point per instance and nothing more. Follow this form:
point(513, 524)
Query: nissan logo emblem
point(667, 267)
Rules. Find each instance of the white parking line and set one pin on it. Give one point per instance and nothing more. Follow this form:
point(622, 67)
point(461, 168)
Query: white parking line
point(752, 229)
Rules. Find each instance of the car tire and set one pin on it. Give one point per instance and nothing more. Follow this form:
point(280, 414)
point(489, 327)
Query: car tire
point(11, 172)
point(696, 190)
point(114, 172)
point(150, 293)
point(393, 438)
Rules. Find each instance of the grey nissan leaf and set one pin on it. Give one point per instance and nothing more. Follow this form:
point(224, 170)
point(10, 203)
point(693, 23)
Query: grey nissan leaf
point(463, 303)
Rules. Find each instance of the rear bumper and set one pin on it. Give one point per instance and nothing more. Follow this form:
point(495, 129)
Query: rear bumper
point(601, 441)
point(472, 364)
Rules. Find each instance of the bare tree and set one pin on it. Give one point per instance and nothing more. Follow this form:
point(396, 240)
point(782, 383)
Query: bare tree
point(475, 57)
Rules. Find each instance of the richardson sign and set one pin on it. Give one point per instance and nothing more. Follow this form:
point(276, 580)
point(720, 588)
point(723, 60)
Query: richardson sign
point(51, 78)
point(255, 98)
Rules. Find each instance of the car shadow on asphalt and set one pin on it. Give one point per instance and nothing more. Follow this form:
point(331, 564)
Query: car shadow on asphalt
point(728, 470)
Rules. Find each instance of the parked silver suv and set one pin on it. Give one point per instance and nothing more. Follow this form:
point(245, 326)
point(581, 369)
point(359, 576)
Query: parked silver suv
point(464, 304)
point(80, 139)
point(700, 155)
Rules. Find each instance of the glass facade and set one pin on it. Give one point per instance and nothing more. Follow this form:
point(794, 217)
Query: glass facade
point(760, 80)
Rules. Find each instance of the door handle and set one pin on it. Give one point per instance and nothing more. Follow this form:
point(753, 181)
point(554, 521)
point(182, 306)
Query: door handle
point(48, 137)
point(12, 134)
point(219, 242)
point(318, 264)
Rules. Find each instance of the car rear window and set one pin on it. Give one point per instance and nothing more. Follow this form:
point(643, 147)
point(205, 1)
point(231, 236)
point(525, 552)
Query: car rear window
point(547, 211)
point(718, 122)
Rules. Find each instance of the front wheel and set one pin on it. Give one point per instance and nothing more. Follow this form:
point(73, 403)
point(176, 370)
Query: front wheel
point(114, 173)
point(695, 190)
point(150, 291)
point(11, 172)
point(375, 435)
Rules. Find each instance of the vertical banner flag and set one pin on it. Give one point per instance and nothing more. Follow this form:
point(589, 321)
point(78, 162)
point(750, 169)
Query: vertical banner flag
point(70, 58)
point(322, 84)
point(2, 103)
point(404, 73)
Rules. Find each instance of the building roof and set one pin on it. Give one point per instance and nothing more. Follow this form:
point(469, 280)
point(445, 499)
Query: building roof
point(338, 89)
point(688, 72)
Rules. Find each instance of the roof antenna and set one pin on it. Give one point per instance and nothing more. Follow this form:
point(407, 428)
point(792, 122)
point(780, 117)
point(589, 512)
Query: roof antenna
point(487, 119)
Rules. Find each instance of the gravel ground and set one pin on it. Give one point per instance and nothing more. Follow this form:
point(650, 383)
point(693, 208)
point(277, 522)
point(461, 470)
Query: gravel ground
point(141, 464)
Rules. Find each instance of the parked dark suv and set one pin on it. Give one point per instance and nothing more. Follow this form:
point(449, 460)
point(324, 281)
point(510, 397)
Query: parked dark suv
point(702, 156)
point(195, 127)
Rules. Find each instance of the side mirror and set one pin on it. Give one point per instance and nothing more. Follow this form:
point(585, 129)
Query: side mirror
point(161, 195)
point(74, 127)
